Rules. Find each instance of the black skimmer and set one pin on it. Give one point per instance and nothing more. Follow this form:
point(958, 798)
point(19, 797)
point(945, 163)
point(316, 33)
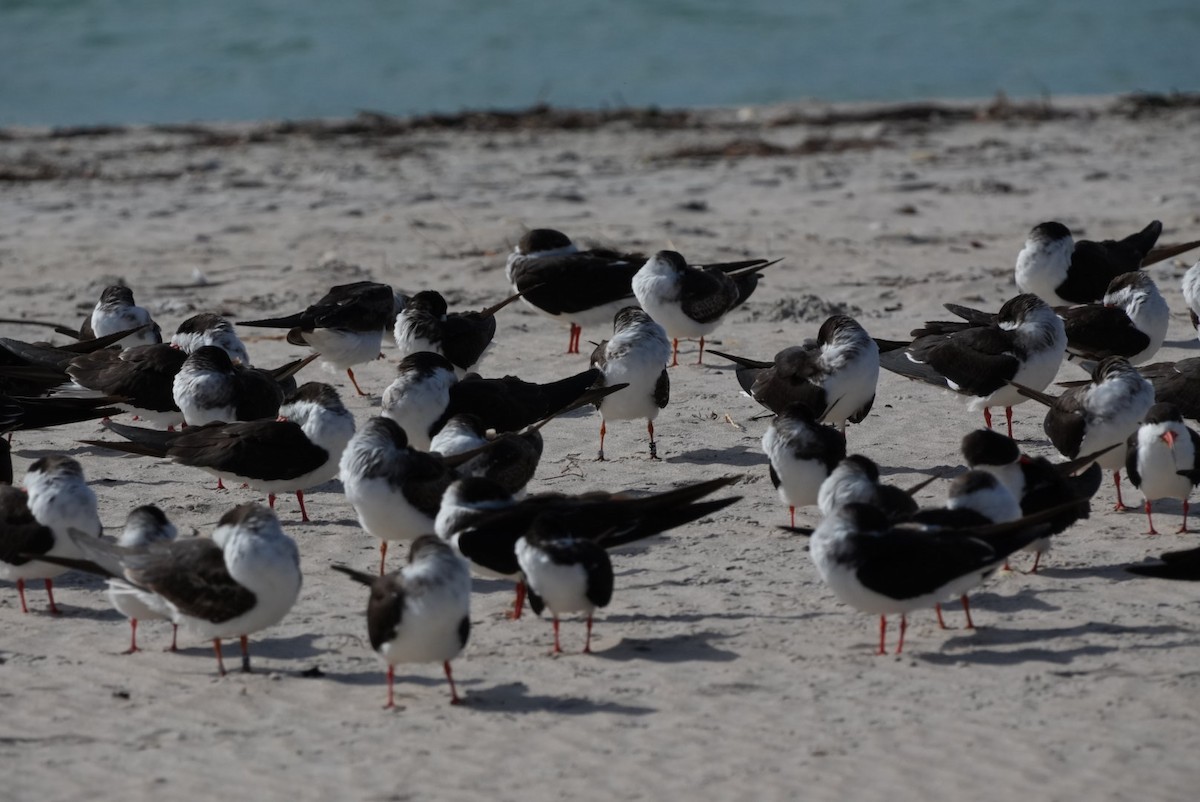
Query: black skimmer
point(885, 569)
point(1177, 383)
point(1059, 270)
point(426, 393)
point(241, 581)
point(396, 490)
point(636, 355)
point(1163, 459)
point(37, 523)
point(1035, 482)
point(1191, 295)
point(483, 521)
point(1130, 322)
point(564, 573)
point(508, 458)
point(6, 469)
point(290, 455)
point(345, 326)
point(209, 328)
point(1184, 565)
point(691, 301)
point(973, 499)
point(461, 337)
point(802, 453)
point(582, 287)
point(421, 613)
point(211, 387)
point(835, 375)
point(116, 312)
point(1103, 413)
point(1025, 344)
point(856, 479)
point(143, 526)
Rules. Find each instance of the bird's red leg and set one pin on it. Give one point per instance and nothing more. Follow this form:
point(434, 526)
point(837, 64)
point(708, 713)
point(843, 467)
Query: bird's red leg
point(21, 593)
point(903, 628)
point(1120, 503)
point(220, 484)
point(603, 430)
point(587, 646)
point(220, 661)
point(700, 359)
point(453, 691)
point(174, 638)
point(557, 645)
point(653, 445)
point(1008, 417)
point(882, 634)
point(245, 639)
point(987, 417)
point(170, 428)
point(50, 592)
point(1037, 560)
point(303, 512)
point(967, 609)
point(1150, 518)
point(382, 555)
point(519, 604)
point(391, 702)
point(1182, 529)
point(941, 622)
point(132, 637)
point(792, 510)
point(674, 352)
point(350, 373)
point(271, 500)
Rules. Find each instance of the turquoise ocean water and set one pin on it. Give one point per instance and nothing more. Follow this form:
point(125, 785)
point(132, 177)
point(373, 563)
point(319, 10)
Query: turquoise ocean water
point(119, 61)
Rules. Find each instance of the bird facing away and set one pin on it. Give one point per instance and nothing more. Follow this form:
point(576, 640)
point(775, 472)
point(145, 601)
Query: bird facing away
point(835, 375)
point(421, 613)
point(636, 355)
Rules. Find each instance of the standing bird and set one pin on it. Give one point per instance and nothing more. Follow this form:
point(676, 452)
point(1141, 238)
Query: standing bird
point(143, 526)
point(1025, 344)
point(298, 452)
point(484, 522)
point(38, 526)
point(885, 569)
point(421, 613)
point(425, 324)
point(116, 312)
point(835, 375)
point(636, 355)
point(564, 573)
point(1191, 295)
point(1163, 459)
point(345, 326)
point(1131, 322)
point(582, 287)
point(691, 301)
point(802, 453)
point(1093, 417)
point(244, 579)
point(396, 490)
point(1059, 270)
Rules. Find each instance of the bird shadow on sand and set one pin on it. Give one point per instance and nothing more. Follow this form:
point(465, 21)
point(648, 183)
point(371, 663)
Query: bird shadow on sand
point(1190, 344)
point(514, 697)
point(738, 456)
point(986, 645)
point(1115, 572)
point(688, 647)
point(939, 471)
point(91, 613)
